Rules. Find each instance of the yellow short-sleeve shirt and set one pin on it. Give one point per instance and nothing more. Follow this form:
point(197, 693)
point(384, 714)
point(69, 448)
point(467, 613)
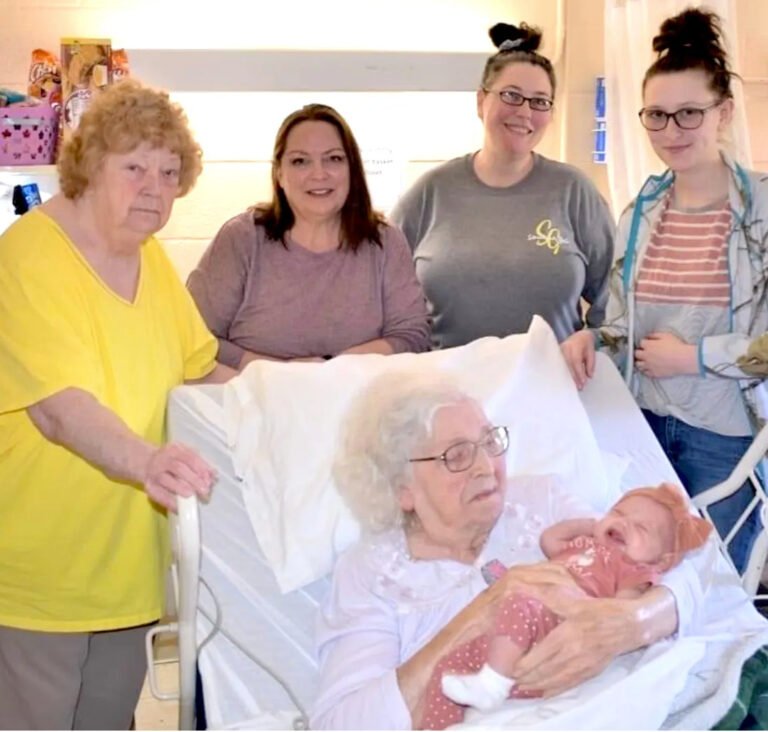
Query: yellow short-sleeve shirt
point(80, 551)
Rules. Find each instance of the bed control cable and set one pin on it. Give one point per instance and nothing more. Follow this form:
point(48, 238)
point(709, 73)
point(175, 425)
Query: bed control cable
point(299, 723)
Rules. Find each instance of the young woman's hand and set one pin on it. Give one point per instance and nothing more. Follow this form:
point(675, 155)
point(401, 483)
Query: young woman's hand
point(579, 353)
point(660, 355)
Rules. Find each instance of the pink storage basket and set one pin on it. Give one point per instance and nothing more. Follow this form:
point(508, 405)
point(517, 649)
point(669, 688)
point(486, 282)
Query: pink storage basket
point(28, 135)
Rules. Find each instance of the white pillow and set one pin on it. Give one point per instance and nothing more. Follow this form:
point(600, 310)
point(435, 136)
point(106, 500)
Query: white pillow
point(283, 422)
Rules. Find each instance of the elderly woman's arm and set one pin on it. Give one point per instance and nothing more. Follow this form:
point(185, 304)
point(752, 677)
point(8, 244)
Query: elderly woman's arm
point(76, 420)
point(593, 633)
point(359, 649)
point(363, 683)
point(220, 375)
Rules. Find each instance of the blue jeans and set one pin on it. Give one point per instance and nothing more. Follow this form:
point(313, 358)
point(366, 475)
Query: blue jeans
point(703, 459)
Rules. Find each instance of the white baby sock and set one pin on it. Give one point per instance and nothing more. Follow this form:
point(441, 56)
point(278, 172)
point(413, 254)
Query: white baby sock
point(485, 690)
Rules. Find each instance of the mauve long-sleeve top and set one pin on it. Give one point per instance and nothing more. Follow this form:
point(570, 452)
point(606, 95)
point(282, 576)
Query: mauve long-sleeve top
point(289, 302)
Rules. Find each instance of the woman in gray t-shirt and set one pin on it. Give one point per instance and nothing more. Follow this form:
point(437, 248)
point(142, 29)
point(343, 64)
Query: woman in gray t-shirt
point(503, 234)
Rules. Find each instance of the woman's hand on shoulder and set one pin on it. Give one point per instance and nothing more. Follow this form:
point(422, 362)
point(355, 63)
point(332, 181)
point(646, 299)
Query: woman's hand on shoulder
point(593, 632)
point(579, 353)
point(176, 470)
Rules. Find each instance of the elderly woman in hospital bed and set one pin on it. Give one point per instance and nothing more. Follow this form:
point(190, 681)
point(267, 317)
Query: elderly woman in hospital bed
point(422, 470)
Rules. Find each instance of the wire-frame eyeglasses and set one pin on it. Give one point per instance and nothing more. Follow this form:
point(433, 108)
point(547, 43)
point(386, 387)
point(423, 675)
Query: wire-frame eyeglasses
point(461, 456)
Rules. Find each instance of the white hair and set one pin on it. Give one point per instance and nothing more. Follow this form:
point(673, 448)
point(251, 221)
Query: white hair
point(386, 423)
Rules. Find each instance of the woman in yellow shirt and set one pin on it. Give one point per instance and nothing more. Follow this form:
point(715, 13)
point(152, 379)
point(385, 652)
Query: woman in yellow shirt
point(96, 329)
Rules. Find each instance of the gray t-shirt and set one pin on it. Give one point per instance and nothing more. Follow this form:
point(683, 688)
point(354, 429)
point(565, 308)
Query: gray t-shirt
point(491, 258)
point(257, 295)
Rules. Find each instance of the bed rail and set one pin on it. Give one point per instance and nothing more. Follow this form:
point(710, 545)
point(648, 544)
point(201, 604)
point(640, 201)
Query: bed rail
point(186, 547)
point(747, 469)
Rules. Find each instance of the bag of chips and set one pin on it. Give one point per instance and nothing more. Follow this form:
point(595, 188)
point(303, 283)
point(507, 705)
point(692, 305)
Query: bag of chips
point(45, 78)
point(86, 68)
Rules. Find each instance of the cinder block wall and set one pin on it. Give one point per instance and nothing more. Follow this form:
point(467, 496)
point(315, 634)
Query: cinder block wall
point(419, 129)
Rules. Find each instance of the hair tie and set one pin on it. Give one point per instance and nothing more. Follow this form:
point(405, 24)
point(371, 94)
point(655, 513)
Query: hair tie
point(509, 45)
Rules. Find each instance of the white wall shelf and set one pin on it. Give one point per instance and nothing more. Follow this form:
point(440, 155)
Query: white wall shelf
point(28, 169)
point(216, 70)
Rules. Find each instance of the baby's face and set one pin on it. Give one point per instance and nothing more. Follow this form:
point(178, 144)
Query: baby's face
point(641, 527)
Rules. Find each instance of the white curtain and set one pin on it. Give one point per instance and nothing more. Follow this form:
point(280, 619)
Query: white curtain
point(630, 26)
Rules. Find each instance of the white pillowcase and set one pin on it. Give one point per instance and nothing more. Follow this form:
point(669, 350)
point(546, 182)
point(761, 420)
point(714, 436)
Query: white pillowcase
point(284, 419)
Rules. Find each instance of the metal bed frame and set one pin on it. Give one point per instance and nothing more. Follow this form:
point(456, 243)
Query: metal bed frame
point(187, 548)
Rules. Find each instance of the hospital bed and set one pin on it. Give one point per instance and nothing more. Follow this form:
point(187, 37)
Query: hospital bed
point(254, 643)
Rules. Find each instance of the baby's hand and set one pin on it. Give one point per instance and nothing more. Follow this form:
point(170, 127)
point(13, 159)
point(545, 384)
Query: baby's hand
point(555, 539)
point(492, 571)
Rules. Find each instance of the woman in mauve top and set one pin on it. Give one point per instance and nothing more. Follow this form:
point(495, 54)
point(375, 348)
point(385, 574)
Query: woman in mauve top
point(316, 272)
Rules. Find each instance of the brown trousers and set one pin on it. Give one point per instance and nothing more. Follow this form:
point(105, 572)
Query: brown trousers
point(70, 680)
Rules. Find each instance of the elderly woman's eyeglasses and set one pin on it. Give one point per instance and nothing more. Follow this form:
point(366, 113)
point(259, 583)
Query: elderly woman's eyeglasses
point(461, 456)
point(687, 118)
point(515, 99)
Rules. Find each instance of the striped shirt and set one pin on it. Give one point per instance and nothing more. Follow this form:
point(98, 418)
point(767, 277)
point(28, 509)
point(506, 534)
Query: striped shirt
point(683, 288)
point(686, 262)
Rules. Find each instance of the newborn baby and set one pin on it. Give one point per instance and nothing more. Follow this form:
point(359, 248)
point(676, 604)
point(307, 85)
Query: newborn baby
point(645, 533)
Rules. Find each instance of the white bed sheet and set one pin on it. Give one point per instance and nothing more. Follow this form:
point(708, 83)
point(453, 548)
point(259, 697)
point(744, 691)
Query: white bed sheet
point(274, 627)
point(278, 629)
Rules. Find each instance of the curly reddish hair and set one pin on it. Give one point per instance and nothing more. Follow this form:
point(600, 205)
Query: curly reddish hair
point(118, 120)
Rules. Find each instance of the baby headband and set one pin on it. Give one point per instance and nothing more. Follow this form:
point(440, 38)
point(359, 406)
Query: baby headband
point(692, 531)
point(510, 45)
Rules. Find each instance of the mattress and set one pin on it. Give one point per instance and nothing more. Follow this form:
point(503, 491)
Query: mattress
point(277, 629)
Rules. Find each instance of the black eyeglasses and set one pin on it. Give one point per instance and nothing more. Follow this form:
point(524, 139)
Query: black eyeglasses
point(515, 99)
point(687, 118)
point(461, 456)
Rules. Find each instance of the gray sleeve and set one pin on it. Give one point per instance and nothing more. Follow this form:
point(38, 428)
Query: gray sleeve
point(410, 213)
point(406, 326)
point(718, 354)
point(217, 284)
point(595, 232)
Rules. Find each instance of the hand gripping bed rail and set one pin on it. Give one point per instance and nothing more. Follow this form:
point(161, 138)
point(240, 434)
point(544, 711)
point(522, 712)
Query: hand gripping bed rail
point(186, 549)
point(746, 470)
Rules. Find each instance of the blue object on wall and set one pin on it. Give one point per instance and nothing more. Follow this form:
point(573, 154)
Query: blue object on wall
point(25, 196)
point(599, 151)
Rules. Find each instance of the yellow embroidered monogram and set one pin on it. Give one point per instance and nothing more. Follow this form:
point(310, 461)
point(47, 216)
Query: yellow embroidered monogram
point(548, 236)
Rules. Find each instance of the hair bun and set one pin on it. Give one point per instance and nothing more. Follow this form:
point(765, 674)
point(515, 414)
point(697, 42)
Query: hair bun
point(692, 32)
point(525, 38)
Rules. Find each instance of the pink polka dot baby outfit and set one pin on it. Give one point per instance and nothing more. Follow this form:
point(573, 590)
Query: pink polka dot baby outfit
point(600, 570)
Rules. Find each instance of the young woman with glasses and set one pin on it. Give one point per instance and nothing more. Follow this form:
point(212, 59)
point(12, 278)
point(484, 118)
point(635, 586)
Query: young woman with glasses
point(690, 281)
point(502, 234)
